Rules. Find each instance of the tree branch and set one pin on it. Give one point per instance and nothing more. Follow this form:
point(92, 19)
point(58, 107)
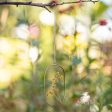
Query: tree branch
point(45, 5)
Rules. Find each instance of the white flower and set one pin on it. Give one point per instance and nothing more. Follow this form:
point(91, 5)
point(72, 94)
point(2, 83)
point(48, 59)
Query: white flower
point(22, 31)
point(47, 17)
point(85, 98)
point(83, 32)
point(67, 25)
point(33, 54)
point(102, 33)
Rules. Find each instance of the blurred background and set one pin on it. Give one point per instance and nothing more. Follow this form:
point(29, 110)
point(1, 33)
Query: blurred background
point(83, 51)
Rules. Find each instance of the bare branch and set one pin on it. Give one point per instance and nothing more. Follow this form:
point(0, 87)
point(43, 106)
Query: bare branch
point(80, 1)
point(45, 5)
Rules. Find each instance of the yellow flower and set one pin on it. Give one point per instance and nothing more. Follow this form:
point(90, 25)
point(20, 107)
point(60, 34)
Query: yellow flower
point(69, 44)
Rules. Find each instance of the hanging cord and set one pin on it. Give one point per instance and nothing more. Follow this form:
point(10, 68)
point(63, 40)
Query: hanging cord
point(54, 38)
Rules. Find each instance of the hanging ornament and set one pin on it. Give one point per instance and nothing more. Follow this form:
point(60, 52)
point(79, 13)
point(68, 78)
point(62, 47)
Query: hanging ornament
point(54, 79)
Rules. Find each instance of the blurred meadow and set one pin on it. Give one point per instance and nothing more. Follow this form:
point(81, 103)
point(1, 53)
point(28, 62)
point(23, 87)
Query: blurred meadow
point(56, 62)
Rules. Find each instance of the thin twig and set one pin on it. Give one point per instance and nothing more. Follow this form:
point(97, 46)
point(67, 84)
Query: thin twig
point(45, 5)
point(46, 8)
